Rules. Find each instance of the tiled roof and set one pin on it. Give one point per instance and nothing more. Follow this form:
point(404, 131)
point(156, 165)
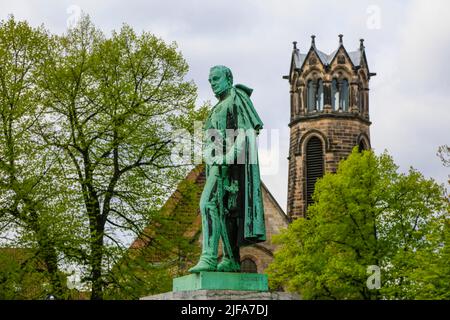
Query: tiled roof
point(299, 58)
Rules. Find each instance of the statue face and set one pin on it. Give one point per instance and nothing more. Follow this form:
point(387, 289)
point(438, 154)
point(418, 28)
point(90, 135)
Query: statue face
point(219, 82)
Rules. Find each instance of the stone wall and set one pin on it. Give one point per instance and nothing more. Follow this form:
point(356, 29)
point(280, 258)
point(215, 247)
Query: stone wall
point(276, 220)
point(338, 133)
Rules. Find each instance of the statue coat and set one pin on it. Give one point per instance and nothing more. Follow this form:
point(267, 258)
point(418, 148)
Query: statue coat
point(242, 196)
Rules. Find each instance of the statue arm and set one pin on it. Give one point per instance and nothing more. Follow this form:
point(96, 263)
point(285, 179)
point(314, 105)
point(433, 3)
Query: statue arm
point(237, 137)
point(237, 147)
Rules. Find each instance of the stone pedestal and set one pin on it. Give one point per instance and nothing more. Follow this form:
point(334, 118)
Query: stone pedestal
point(223, 295)
point(222, 286)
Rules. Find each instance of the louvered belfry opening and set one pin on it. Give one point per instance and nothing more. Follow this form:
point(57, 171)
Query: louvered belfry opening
point(361, 146)
point(314, 166)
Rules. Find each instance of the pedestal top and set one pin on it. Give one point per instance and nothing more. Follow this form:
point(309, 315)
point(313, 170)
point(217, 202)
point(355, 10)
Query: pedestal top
point(221, 281)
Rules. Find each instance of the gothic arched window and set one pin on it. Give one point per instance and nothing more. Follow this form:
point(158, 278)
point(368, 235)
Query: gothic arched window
point(315, 95)
point(311, 96)
point(340, 94)
point(334, 94)
point(319, 96)
point(344, 95)
point(314, 165)
point(248, 266)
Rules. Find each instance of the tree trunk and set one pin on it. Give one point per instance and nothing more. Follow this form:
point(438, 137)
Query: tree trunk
point(50, 257)
point(97, 231)
point(47, 250)
point(96, 265)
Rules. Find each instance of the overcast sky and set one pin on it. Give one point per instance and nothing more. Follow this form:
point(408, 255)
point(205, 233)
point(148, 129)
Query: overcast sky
point(407, 45)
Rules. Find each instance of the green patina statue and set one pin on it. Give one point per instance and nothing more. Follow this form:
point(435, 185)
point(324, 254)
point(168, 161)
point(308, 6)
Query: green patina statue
point(231, 203)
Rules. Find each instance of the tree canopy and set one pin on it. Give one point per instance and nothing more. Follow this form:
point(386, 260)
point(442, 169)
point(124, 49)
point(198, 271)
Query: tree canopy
point(368, 214)
point(87, 126)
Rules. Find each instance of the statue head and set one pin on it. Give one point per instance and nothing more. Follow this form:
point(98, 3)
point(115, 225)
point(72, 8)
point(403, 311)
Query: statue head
point(221, 80)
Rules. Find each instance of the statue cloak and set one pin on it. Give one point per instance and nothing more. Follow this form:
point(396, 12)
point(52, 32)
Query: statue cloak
point(248, 206)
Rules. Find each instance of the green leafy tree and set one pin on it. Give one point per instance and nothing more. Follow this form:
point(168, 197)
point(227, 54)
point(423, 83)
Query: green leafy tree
point(444, 155)
point(86, 142)
point(367, 214)
point(433, 278)
point(111, 107)
point(24, 275)
point(166, 250)
point(29, 216)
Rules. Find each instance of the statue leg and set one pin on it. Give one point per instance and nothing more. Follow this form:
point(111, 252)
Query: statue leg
point(229, 234)
point(210, 225)
point(231, 259)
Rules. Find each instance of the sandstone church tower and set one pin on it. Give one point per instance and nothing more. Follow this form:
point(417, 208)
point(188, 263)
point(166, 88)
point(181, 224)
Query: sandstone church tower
point(329, 116)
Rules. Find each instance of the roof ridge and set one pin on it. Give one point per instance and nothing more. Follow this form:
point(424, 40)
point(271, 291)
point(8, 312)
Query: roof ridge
point(325, 58)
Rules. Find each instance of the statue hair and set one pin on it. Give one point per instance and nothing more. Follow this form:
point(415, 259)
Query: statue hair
point(225, 70)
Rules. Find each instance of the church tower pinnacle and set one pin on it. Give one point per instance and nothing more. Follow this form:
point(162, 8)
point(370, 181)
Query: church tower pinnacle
point(329, 115)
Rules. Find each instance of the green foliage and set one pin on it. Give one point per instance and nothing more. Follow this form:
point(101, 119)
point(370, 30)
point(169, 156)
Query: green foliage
point(30, 206)
point(365, 214)
point(86, 138)
point(164, 250)
point(434, 276)
point(21, 275)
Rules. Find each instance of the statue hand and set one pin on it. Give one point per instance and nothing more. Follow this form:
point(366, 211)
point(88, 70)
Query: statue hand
point(217, 160)
point(233, 189)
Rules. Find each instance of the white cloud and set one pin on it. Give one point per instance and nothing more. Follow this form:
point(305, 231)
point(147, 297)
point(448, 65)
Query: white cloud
point(410, 106)
point(424, 47)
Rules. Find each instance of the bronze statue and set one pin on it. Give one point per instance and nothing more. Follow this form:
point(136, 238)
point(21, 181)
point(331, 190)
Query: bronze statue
point(231, 203)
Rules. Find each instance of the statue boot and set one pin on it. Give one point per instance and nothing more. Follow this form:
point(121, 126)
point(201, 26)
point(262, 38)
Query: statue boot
point(211, 230)
point(230, 259)
point(228, 265)
point(203, 265)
